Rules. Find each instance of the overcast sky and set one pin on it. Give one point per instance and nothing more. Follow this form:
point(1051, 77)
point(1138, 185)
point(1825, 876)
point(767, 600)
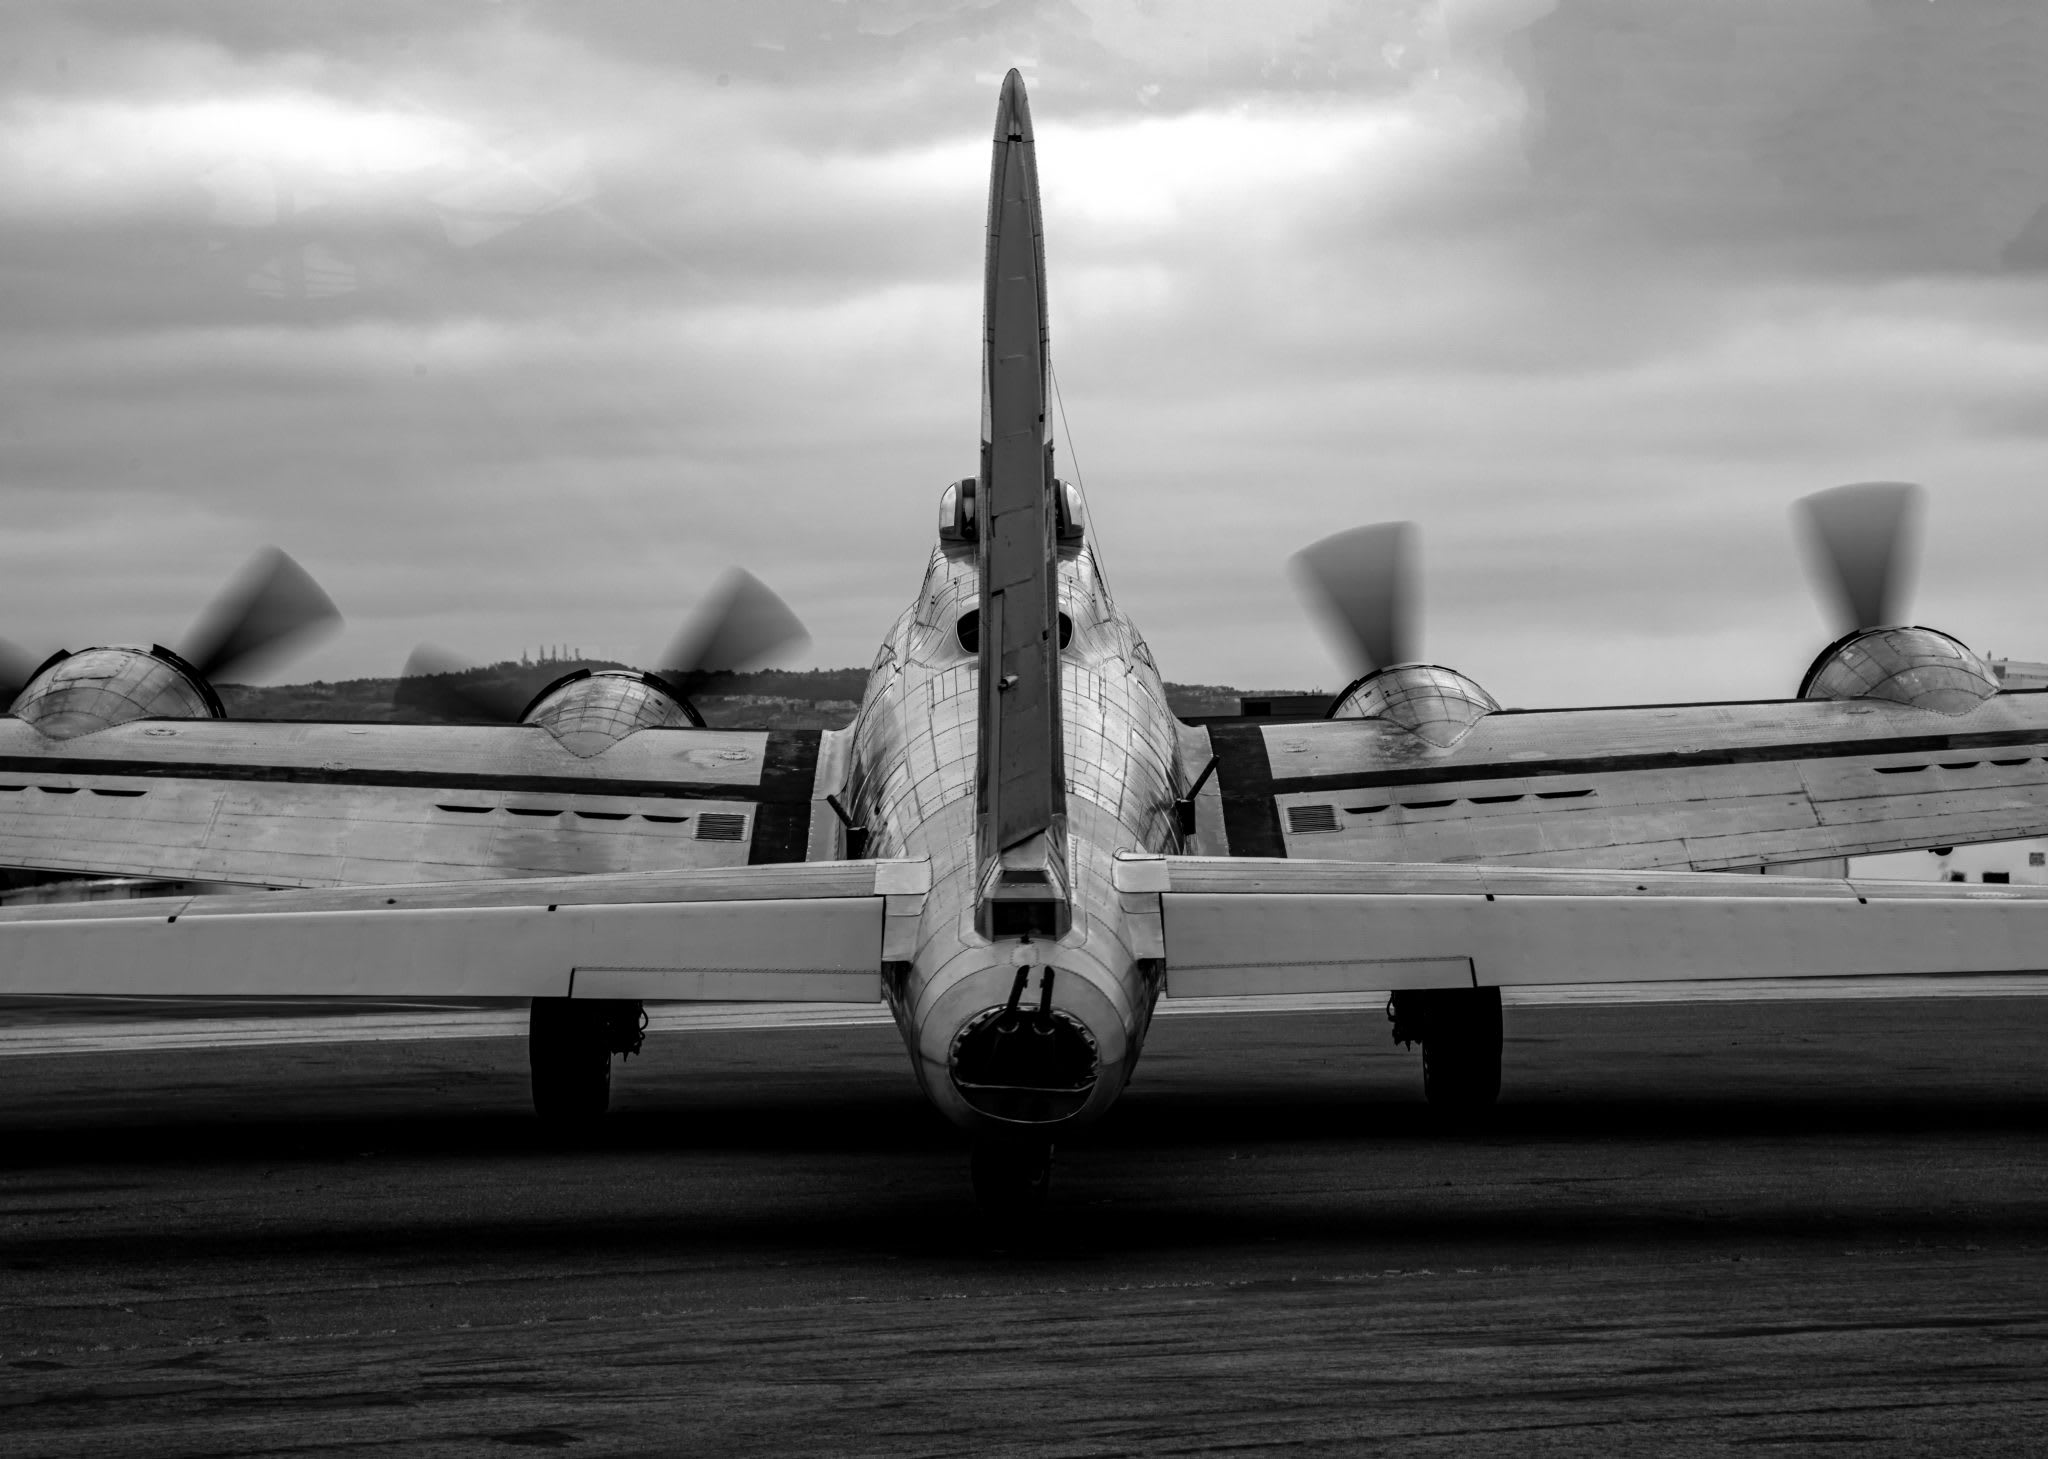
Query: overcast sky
point(516, 322)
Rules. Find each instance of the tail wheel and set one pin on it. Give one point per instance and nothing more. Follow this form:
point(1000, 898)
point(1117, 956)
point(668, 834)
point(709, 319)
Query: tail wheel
point(569, 1044)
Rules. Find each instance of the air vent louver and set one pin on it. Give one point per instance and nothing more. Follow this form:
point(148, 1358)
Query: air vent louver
point(714, 826)
point(1302, 819)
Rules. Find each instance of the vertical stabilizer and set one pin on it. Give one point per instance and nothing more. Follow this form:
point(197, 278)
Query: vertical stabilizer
point(1022, 782)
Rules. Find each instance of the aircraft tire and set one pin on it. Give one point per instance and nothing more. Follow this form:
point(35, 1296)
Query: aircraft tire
point(1461, 1054)
point(1012, 1175)
point(571, 1061)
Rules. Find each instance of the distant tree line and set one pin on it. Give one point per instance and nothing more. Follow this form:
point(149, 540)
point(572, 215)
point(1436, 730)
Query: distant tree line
point(765, 698)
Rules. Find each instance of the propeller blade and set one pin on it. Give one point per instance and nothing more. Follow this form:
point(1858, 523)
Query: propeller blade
point(437, 683)
point(1860, 546)
point(270, 608)
point(16, 669)
point(1360, 583)
point(740, 626)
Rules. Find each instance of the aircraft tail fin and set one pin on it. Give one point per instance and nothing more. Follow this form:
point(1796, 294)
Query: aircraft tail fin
point(1022, 788)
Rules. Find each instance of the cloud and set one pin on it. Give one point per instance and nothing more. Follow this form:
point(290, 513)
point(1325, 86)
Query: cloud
point(1883, 134)
point(519, 322)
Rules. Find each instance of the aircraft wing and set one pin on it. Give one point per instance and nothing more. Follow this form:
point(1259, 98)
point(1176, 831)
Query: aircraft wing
point(1703, 787)
point(781, 934)
point(1229, 927)
point(321, 805)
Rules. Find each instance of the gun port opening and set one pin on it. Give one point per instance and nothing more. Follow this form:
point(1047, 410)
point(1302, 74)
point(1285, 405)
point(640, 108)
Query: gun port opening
point(1029, 1066)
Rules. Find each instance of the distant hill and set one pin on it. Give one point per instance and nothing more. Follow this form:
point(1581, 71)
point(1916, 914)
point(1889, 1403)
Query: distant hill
point(766, 699)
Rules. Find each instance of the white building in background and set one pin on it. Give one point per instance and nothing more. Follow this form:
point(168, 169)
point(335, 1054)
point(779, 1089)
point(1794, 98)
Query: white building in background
point(2019, 674)
point(2022, 863)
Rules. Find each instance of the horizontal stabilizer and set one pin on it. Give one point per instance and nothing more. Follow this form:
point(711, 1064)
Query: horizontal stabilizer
point(788, 934)
point(1303, 928)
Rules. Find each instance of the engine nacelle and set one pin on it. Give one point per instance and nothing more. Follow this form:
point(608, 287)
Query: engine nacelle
point(1917, 666)
point(74, 694)
point(589, 711)
point(1431, 702)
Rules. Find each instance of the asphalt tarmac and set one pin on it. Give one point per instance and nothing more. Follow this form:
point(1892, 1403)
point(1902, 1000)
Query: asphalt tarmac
point(1737, 1229)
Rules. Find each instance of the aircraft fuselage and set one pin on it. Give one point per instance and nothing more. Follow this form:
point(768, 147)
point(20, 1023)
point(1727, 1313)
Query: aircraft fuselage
point(912, 778)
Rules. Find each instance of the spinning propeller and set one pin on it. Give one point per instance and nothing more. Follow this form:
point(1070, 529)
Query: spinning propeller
point(1861, 548)
point(1860, 540)
point(1360, 583)
point(741, 625)
point(269, 610)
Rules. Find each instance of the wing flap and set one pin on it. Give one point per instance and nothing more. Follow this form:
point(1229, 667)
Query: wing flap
point(773, 934)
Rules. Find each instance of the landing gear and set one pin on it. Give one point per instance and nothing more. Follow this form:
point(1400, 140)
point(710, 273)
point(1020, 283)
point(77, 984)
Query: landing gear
point(570, 1043)
point(1460, 1033)
point(1012, 1174)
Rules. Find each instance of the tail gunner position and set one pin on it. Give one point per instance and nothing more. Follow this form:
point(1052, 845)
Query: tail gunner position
point(1016, 733)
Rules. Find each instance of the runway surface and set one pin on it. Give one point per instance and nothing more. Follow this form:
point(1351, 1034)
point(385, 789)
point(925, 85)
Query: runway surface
point(1750, 1228)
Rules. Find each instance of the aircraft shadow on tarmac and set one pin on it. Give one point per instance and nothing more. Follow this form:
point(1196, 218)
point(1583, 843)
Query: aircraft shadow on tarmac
point(1177, 1171)
point(841, 1121)
point(1876, 1125)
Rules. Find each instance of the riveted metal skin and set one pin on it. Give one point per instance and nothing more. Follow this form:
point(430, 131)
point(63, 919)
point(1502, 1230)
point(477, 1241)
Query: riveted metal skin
point(1021, 756)
point(1431, 702)
point(101, 687)
point(912, 785)
point(1922, 667)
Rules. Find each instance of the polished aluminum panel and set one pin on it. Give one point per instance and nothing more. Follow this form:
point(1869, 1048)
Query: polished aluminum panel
point(911, 786)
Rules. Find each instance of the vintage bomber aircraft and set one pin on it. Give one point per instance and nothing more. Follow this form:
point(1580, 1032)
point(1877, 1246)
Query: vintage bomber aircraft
point(1016, 845)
